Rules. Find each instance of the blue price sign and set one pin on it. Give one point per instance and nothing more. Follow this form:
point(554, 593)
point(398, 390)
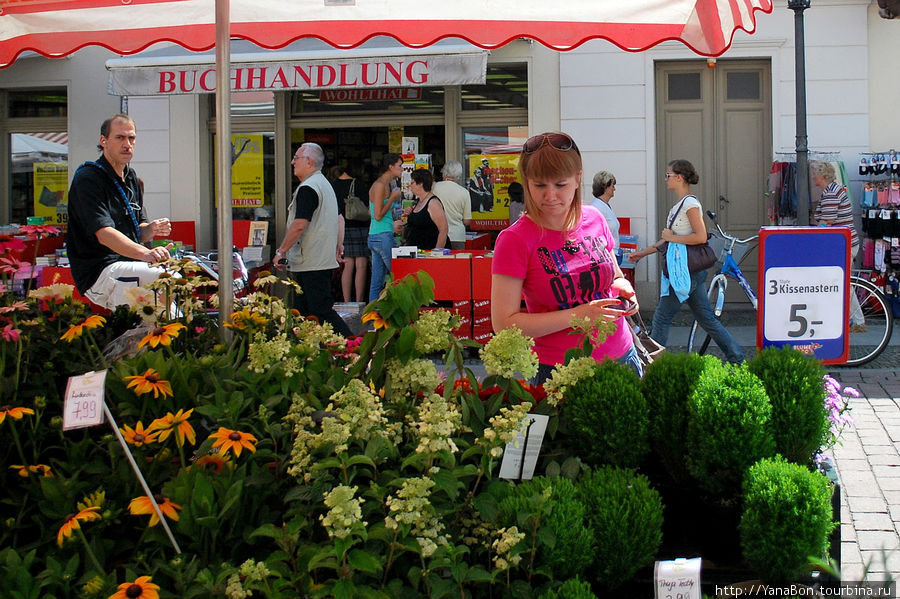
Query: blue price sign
point(804, 284)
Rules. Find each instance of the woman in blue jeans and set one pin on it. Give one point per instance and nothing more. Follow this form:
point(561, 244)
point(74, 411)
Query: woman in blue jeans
point(381, 227)
point(686, 226)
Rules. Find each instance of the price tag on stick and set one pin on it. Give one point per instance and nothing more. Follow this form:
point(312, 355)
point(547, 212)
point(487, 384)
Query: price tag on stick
point(83, 403)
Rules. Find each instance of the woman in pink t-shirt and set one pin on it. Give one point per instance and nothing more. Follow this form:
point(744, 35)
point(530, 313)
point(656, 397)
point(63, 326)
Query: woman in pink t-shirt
point(559, 257)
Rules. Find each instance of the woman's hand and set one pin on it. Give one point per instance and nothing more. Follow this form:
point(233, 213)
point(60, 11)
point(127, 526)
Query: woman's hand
point(667, 235)
point(624, 288)
point(611, 309)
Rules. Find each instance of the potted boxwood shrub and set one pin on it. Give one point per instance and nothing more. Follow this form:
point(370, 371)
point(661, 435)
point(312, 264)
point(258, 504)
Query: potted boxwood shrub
point(786, 518)
point(728, 427)
point(606, 415)
point(626, 515)
point(667, 385)
point(793, 383)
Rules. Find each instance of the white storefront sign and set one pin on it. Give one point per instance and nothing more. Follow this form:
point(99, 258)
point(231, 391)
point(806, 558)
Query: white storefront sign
point(129, 77)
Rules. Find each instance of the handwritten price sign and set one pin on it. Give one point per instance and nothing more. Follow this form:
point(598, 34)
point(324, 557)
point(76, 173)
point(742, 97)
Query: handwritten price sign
point(83, 404)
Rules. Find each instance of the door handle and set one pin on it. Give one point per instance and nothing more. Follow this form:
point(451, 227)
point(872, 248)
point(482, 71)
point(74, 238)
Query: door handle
point(724, 200)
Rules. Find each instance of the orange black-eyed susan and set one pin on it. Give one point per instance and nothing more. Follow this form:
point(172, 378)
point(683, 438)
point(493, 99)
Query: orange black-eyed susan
point(375, 318)
point(91, 322)
point(147, 382)
point(141, 588)
point(14, 413)
point(38, 469)
point(177, 423)
point(73, 522)
point(138, 436)
point(213, 462)
point(162, 335)
point(142, 506)
point(235, 441)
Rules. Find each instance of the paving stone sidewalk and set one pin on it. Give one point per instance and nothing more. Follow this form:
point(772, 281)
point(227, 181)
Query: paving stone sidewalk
point(868, 462)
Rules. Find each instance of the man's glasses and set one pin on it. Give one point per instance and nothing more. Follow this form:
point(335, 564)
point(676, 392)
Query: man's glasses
point(560, 141)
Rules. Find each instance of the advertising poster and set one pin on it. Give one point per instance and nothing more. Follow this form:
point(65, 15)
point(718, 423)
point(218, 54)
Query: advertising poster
point(51, 192)
point(247, 182)
point(488, 185)
point(247, 171)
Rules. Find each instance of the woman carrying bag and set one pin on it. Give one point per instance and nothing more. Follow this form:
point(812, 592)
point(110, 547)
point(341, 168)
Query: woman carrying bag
point(680, 285)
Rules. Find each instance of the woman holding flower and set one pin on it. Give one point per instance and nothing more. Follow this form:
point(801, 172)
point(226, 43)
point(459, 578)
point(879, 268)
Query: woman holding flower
point(558, 256)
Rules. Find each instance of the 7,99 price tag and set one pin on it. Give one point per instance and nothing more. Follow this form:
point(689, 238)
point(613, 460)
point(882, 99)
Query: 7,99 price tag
point(804, 303)
point(83, 404)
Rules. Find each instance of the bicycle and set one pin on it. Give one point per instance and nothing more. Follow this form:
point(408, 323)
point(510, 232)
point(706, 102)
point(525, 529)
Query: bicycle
point(865, 345)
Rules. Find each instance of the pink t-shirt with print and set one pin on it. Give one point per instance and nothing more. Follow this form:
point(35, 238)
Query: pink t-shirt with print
point(561, 271)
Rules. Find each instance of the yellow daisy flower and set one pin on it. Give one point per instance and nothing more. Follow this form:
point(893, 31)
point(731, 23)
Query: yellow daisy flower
point(147, 382)
point(162, 335)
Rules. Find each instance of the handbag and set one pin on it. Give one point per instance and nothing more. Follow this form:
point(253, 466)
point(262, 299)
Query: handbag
point(648, 349)
point(699, 256)
point(355, 208)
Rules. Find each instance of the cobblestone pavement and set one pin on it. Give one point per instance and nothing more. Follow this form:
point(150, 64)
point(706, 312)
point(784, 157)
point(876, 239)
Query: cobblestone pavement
point(868, 462)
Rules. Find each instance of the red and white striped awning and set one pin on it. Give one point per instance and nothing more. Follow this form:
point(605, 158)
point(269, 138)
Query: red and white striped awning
point(57, 137)
point(56, 28)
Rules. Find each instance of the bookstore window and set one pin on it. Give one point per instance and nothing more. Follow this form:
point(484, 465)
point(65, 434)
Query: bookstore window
point(35, 128)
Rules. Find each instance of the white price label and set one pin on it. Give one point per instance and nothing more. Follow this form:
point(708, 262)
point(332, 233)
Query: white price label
point(677, 579)
point(804, 303)
point(83, 404)
point(521, 454)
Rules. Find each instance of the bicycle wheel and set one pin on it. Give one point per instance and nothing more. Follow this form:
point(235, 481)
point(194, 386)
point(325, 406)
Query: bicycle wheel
point(866, 345)
point(698, 337)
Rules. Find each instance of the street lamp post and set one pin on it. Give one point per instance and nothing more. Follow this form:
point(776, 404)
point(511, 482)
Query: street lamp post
point(802, 147)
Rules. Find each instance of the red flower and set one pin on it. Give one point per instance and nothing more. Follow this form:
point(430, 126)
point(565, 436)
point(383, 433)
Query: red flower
point(485, 393)
point(536, 391)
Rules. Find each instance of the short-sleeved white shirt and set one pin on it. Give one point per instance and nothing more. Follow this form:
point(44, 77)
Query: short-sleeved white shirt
point(682, 226)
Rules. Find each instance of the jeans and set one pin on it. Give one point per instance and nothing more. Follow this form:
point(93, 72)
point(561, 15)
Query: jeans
point(380, 244)
point(698, 302)
point(317, 300)
point(629, 358)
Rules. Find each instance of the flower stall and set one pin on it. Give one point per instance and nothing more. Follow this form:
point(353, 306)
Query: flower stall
point(291, 462)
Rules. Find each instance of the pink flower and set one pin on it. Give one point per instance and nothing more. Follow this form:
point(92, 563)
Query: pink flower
point(10, 265)
point(8, 243)
point(9, 333)
point(38, 230)
point(16, 306)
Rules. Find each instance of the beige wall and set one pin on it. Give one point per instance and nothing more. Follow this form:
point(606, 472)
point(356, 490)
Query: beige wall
point(884, 82)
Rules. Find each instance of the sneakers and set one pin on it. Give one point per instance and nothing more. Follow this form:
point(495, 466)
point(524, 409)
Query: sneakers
point(858, 328)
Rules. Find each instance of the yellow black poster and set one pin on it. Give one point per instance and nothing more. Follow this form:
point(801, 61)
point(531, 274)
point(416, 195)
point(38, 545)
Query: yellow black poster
point(247, 180)
point(51, 192)
point(488, 185)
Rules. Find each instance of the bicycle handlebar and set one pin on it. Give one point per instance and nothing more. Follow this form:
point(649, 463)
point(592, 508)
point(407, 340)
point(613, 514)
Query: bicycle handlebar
point(712, 216)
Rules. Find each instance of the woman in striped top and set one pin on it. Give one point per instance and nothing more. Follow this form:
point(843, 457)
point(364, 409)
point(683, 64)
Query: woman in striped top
point(835, 210)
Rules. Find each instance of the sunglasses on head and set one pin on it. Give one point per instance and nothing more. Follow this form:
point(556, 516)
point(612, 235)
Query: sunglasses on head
point(560, 141)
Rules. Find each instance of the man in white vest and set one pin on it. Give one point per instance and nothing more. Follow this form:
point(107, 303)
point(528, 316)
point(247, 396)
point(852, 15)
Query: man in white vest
point(313, 244)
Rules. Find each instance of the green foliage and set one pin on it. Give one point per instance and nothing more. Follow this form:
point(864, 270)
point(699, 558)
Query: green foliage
point(728, 427)
point(626, 516)
point(607, 416)
point(553, 518)
point(793, 383)
point(571, 589)
point(786, 518)
point(667, 385)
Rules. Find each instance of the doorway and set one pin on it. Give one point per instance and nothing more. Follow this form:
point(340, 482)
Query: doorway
point(721, 120)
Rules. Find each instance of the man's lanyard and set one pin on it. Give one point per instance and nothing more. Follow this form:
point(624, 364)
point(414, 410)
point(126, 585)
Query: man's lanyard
point(134, 220)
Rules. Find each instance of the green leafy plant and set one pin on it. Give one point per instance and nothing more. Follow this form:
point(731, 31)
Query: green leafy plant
point(607, 416)
point(626, 515)
point(571, 589)
point(667, 385)
point(786, 518)
point(794, 385)
point(728, 427)
point(554, 520)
